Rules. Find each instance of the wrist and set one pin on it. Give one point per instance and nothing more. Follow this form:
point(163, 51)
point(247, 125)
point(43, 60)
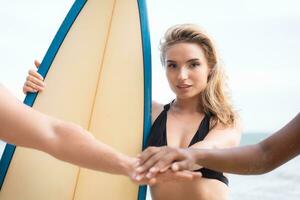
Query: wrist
point(126, 165)
point(197, 156)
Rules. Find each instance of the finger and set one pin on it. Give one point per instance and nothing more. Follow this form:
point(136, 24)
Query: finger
point(165, 168)
point(146, 154)
point(165, 162)
point(151, 162)
point(37, 63)
point(35, 81)
point(160, 166)
point(174, 154)
point(33, 86)
point(143, 181)
point(139, 177)
point(196, 174)
point(188, 175)
point(152, 181)
point(27, 89)
point(174, 176)
point(179, 166)
point(183, 175)
point(35, 74)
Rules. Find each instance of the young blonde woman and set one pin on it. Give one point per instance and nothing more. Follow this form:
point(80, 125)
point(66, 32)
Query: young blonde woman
point(201, 116)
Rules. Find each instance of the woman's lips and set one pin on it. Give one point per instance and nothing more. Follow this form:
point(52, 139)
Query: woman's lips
point(183, 86)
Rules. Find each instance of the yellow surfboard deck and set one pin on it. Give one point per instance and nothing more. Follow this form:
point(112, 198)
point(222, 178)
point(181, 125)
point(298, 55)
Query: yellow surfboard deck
point(96, 79)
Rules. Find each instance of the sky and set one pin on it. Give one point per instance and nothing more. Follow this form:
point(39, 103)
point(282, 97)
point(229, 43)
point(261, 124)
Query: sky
point(258, 42)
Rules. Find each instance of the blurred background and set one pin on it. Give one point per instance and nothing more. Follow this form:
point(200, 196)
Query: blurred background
point(258, 42)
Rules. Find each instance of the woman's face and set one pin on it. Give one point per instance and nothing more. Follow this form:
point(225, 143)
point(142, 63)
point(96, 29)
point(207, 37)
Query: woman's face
point(186, 69)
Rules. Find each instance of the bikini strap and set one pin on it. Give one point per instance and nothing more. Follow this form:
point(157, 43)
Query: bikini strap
point(167, 106)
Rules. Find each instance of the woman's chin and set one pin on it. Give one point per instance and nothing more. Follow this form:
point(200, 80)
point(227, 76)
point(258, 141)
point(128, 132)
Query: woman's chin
point(184, 96)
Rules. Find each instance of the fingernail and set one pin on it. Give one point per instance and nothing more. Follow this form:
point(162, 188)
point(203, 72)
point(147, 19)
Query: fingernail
point(149, 175)
point(138, 178)
point(139, 169)
point(175, 167)
point(153, 169)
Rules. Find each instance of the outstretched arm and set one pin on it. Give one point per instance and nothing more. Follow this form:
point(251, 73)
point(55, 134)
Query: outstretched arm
point(219, 137)
point(256, 159)
point(253, 159)
point(23, 126)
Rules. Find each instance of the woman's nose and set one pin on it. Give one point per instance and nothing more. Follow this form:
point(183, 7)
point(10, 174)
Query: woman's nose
point(183, 73)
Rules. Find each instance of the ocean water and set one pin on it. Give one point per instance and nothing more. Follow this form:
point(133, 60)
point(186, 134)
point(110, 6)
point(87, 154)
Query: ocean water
point(282, 183)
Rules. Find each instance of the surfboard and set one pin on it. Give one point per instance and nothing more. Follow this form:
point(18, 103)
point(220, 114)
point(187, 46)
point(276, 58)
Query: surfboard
point(98, 74)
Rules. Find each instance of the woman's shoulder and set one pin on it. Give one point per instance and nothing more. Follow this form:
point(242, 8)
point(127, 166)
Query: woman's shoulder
point(157, 108)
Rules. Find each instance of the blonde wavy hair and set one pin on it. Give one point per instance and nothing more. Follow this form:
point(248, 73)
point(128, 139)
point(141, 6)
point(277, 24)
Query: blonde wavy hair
point(215, 98)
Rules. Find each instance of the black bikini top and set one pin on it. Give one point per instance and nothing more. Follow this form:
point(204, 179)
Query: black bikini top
point(158, 137)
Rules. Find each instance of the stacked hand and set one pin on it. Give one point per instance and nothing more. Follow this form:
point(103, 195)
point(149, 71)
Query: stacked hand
point(152, 166)
point(159, 164)
point(138, 173)
point(156, 160)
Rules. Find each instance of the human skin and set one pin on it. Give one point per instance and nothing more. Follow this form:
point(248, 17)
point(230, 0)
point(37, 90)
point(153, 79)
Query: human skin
point(23, 126)
point(187, 73)
point(259, 158)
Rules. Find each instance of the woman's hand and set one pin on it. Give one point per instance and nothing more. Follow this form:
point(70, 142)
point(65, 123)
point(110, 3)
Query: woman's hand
point(34, 81)
point(166, 176)
point(129, 169)
point(156, 160)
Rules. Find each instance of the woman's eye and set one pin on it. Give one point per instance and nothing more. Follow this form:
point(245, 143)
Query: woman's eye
point(193, 65)
point(171, 65)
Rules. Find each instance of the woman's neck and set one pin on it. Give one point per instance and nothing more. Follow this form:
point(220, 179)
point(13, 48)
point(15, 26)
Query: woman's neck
point(190, 105)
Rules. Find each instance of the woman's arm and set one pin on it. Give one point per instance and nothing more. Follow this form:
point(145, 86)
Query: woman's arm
point(253, 159)
point(221, 137)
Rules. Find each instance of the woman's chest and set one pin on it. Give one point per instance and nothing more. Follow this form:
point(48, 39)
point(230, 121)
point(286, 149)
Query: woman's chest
point(181, 129)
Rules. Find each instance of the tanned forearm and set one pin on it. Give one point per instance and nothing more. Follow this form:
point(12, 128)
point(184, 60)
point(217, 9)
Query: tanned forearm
point(23, 126)
point(240, 160)
point(255, 159)
point(74, 144)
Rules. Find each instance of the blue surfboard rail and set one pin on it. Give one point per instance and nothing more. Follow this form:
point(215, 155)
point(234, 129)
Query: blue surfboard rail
point(43, 70)
point(147, 80)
